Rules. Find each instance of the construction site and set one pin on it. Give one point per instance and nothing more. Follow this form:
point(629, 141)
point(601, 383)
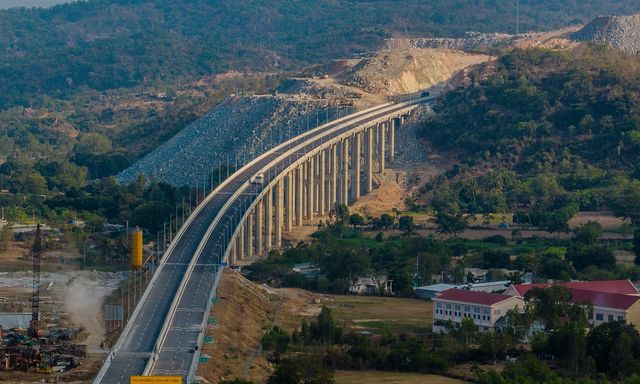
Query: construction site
point(58, 321)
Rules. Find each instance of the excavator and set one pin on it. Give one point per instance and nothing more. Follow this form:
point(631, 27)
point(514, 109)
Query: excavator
point(41, 365)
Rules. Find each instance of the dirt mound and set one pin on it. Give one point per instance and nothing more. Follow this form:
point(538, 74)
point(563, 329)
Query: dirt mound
point(243, 313)
point(401, 67)
point(621, 32)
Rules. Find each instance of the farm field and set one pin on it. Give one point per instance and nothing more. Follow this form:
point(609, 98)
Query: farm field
point(377, 314)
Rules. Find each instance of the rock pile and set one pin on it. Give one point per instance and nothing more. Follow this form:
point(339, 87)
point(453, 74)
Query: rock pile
point(239, 128)
point(472, 42)
point(621, 32)
point(402, 67)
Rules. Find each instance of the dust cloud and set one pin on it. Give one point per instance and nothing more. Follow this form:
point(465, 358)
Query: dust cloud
point(84, 297)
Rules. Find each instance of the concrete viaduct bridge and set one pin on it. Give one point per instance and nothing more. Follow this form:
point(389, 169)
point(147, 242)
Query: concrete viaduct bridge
point(300, 179)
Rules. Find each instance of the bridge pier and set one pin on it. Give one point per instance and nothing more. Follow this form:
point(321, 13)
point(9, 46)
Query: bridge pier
point(241, 242)
point(327, 189)
point(355, 163)
point(344, 186)
point(259, 227)
point(310, 187)
point(381, 143)
point(321, 183)
point(249, 235)
point(368, 160)
point(333, 191)
point(289, 201)
point(392, 139)
point(268, 217)
point(298, 193)
point(279, 212)
point(316, 184)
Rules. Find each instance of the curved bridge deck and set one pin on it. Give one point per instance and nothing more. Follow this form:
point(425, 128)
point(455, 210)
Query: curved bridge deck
point(169, 321)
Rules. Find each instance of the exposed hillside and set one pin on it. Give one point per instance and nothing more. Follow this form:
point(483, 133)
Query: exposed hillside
point(622, 32)
point(111, 44)
point(245, 126)
point(401, 67)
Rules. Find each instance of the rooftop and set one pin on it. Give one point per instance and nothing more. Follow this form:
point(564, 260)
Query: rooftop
point(437, 287)
point(623, 287)
point(473, 297)
point(604, 299)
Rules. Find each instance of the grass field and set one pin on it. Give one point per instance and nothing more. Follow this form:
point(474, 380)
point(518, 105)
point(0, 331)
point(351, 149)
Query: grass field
point(378, 314)
point(371, 377)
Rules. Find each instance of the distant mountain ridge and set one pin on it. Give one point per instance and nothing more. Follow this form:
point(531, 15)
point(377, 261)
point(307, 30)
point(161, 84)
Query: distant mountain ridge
point(622, 32)
point(6, 4)
point(110, 44)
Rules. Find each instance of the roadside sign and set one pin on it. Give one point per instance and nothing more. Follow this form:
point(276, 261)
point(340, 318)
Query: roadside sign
point(203, 359)
point(212, 320)
point(214, 300)
point(155, 379)
point(208, 339)
point(224, 264)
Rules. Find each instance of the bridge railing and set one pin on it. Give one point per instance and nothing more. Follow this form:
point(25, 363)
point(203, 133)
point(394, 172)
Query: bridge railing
point(176, 300)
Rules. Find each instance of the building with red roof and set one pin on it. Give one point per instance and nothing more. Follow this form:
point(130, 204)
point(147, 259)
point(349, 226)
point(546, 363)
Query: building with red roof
point(624, 287)
point(454, 305)
point(612, 300)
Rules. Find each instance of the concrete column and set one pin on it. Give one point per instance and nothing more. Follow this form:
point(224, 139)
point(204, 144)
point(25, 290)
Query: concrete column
point(298, 192)
point(355, 164)
point(344, 186)
point(327, 171)
point(310, 188)
point(249, 238)
point(241, 242)
point(368, 160)
point(279, 212)
point(304, 196)
point(316, 183)
point(321, 184)
point(232, 253)
point(236, 250)
point(268, 217)
point(289, 201)
point(401, 120)
point(259, 227)
point(392, 140)
point(334, 177)
point(381, 135)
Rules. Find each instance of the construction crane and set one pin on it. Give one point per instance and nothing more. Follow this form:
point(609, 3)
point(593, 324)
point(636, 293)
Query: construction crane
point(35, 293)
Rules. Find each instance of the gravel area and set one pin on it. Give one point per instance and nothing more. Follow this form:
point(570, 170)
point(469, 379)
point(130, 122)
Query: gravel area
point(239, 127)
point(621, 32)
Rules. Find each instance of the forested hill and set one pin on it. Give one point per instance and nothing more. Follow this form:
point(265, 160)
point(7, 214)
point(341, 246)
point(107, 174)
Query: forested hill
point(547, 131)
point(110, 44)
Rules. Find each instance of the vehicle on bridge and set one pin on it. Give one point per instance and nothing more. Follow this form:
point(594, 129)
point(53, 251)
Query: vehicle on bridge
point(258, 179)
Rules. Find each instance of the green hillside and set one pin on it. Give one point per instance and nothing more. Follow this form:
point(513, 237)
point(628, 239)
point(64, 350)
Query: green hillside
point(111, 44)
point(547, 131)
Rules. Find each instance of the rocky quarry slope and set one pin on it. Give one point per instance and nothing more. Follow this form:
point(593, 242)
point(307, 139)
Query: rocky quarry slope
point(622, 32)
point(242, 127)
point(402, 67)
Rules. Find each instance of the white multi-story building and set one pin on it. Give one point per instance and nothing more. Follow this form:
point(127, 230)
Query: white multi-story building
point(454, 305)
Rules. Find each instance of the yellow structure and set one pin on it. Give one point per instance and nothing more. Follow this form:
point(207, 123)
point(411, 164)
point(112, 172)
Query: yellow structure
point(155, 380)
point(136, 249)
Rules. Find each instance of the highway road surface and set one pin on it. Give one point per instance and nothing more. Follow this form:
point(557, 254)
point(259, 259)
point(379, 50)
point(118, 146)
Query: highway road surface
point(177, 353)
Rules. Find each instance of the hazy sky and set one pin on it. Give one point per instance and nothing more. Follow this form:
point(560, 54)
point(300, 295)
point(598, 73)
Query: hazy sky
point(30, 3)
